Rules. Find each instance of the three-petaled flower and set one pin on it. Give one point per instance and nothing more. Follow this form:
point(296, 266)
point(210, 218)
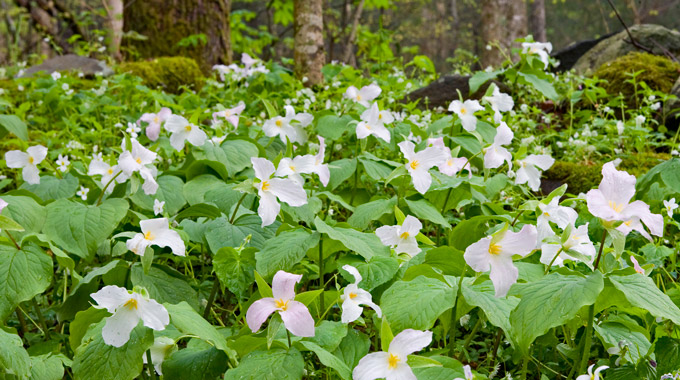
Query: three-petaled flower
point(290, 127)
point(392, 365)
point(496, 153)
point(466, 112)
point(182, 130)
point(591, 375)
point(402, 238)
point(156, 232)
point(365, 95)
point(373, 123)
point(28, 161)
point(270, 189)
point(353, 297)
point(419, 164)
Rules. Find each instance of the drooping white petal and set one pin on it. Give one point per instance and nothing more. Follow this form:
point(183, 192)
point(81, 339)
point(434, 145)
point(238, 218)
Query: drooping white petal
point(409, 341)
point(288, 191)
point(110, 297)
point(153, 314)
point(269, 208)
point(421, 179)
point(351, 311)
point(117, 329)
point(170, 238)
point(503, 274)
point(354, 272)
point(372, 366)
point(263, 168)
point(16, 159)
point(31, 174)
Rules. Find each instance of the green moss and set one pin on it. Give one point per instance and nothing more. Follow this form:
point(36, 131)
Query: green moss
point(659, 73)
point(168, 73)
point(639, 164)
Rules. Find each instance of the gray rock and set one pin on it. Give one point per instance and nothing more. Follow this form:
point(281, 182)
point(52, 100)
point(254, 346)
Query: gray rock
point(444, 90)
point(70, 62)
point(572, 53)
point(655, 37)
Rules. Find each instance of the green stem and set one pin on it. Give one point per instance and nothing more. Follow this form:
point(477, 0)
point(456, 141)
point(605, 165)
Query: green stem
point(41, 318)
point(13, 241)
point(452, 334)
point(553, 260)
point(587, 338)
point(321, 283)
point(517, 217)
point(211, 298)
point(472, 333)
point(599, 254)
point(99, 200)
point(288, 336)
point(56, 171)
point(152, 370)
point(525, 367)
point(233, 216)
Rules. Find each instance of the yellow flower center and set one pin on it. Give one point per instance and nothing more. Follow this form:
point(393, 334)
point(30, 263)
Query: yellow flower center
point(628, 222)
point(156, 120)
point(546, 214)
point(414, 164)
point(618, 207)
point(292, 167)
point(463, 111)
point(148, 235)
point(139, 160)
point(265, 185)
point(379, 116)
point(352, 295)
point(279, 123)
point(187, 128)
point(281, 304)
point(449, 162)
point(358, 97)
point(495, 249)
point(131, 304)
point(110, 171)
point(31, 160)
point(227, 113)
point(405, 235)
point(392, 361)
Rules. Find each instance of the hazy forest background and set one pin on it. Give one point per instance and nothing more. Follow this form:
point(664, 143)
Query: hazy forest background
point(451, 32)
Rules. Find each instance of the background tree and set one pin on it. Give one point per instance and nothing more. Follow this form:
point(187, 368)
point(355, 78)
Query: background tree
point(503, 21)
point(537, 20)
point(309, 45)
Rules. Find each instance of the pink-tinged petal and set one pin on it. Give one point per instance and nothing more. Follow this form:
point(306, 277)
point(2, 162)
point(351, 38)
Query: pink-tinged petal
point(519, 243)
point(409, 341)
point(38, 152)
point(407, 149)
point(116, 331)
point(372, 366)
point(147, 118)
point(170, 238)
point(421, 180)
point(548, 252)
point(411, 226)
point(31, 174)
point(430, 157)
point(351, 311)
point(388, 235)
point(381, 132)
point(238, 109)
point(640, 210)
point(110, 297)
point(197, 137)
point(153, 314)
point(153, 130)
point(269, 208)
point(477, 255)
point(16, 159)
point(503, 274)
point(288, 191)
point(598, 205)
point(258, 312)
point(354, 272)
point(636, 265)
point(617, 186)
point(263, 168)
point(233, 119)
point(164, 114)
point(438, 142)
point(541, 161)
point(297, 319)
point(283, 285)
point(3, 204)
point(469, 122)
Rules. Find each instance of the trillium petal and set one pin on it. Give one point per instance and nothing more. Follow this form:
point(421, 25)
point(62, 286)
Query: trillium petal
point(389, 235)
point(297, 319)
point(258, 312)
point(177, 140)
point(362, 130)
point(150, 186)
point(401, 372)
point(110, 297)
point(127, 163)
point(98, 167)
point(504, 135)
point(370, 92)
point(137, 244)
point(304, 118)
point(421, 180)
point(503, 274)
point(469, 122)
point(176, 123)
point(288, 191)
point(364, 298)
point(153, 131)
point(170, 238)
point(324, 174)
point(455, 106)
point(38, 152)
point(519, 243)
point(31, 174)
point(495, 155)
point(408, 246)
point(409, 341)
point(16, 159)
point(283, 285)
point(617, 186)
point(372, 366)
point(263, 168)
point(153, 314)
point(430, 157)
point(351, 311)
point(382, 132)
point(548, 252)
point(411, 225)
point(407, 149)
point(116, 331)
point(354, 272)
point(598, 205)
point(542, 161)
point(269, 208)
point(477, 255)
point(197, 137)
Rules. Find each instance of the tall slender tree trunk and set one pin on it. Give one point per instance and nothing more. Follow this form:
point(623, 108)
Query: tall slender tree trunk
point(537, 20)
point(503, 21)
point(309, 47)
point(349, 47)
point(166, 22)
point(114, 9)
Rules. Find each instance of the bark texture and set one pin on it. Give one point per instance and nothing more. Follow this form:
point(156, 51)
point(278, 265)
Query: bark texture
point(53, 19)
point(503, 21)
point(537, 20)
point(166, 22)
point(114, 9)
point(309, 47)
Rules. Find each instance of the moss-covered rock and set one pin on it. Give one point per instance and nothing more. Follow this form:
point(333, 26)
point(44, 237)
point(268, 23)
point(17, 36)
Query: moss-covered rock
point(168, 73)
point(659, 73)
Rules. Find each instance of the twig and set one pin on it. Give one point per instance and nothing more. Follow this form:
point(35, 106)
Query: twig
point(632, 39)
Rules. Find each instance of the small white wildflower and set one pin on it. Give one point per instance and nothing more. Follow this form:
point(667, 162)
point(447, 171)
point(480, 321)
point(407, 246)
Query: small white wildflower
point(82, 193)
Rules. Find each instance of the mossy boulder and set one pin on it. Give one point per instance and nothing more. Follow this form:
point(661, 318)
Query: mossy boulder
point(167, 73)
point(654, 37)
point(659, 73)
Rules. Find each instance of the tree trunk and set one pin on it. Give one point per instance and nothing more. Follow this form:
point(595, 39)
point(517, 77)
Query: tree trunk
point(167, 22)
point(114, 9)
point(53, 19)
point(349, 47)
point(537, 20)
point(309, 47)
point(503, 21)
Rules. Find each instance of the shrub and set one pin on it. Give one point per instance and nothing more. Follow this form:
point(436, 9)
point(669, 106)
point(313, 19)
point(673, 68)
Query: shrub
point(168, 73)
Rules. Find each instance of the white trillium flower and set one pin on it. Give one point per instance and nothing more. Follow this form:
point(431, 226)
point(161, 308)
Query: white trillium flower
point(451, 165)
point(28, 161)
point(154, 120)
point(392, 365)
point(528, 170)
point(99, 167)
point(670, 206)
point(578, 241)
point(353, 297)
point(127, 309)
point(156, 232)
point(401, 238)
point(542, 49)
point(419, 164)
point(611, 202)
point(136, 160)
point(294, 314)
point(496, 153)
point(293, 167)
point(591, 375)
point(468, 373)
point(231, 115)
point(62, 163)
point(133, 129)
point(318, 166)
point(162, 347)
point(158, 207)
point(636, 266)
point(466, 112)
point(553, 212)
point(364, 96)
point(495, 253)
point(271, 190)
point(499, 102)
point(183, 131)
point(372, 124)
point(284, 127)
